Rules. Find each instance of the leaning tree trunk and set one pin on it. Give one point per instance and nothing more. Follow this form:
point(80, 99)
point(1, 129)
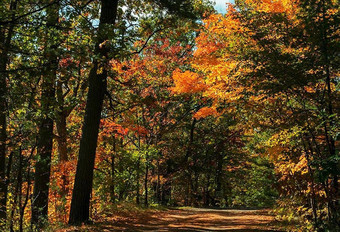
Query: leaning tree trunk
point(45, 137)
point(97, 86)
point(6, 34)
point(3, 126)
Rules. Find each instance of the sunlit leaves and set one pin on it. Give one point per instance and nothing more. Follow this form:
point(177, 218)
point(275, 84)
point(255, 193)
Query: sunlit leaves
point(187, 82)
point(205, 112)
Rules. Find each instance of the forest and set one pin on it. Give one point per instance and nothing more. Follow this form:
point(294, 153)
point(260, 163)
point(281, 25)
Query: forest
point(127, 115)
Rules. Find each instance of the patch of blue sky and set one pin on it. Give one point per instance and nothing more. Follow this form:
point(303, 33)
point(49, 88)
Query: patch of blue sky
point(220, 5)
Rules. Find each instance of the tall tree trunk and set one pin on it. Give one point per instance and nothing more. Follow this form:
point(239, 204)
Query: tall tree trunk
point(6, 34)
point(45, 137)
point(311, 173)
point(137, 182)
point(146, 203)
point(8, 173)
point(195, 189)
point(20, 187)
point(97, 86)
point(334, 191)
point(17, 192)
point(112, 184)
point(188, 153)
point(158, 186)
point(206, 191)
point(61, 126)
point(27, 195)
point(219, 172)
point(3, 134)
point(191, 140)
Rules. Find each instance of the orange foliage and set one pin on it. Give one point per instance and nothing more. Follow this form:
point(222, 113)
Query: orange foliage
point(61, 193)
point(112, 129)
point(187, 82)
point(205, 112)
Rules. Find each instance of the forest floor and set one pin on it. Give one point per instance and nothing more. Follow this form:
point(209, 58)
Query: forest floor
point(187, 220)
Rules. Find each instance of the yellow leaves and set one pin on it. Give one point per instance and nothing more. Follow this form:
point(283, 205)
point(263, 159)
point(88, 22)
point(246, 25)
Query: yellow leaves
point(276, 150)
point(288, 168)
point(220, 32)
point(205, 112)
point(225, 93)
point(285, 136)
point(310, 89)
point(100, 70)
point(217, 57)
point(301, 166)
point(187, 82)
point(274, 6)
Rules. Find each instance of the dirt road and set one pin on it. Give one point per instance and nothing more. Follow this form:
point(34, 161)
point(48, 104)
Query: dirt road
point(187, 220)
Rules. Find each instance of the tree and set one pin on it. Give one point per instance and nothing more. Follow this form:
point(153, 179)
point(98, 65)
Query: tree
point(97, 88)
point(45, 139)
point(88, 144)
point(6, 35)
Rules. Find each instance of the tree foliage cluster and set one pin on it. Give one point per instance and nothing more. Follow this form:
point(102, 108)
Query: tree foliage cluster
point(275, 65)
point(168, 103)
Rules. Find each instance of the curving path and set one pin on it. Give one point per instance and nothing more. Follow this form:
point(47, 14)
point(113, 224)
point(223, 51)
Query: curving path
point(192, 219)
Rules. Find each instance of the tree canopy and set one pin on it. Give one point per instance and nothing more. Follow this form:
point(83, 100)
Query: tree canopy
point(168, 103)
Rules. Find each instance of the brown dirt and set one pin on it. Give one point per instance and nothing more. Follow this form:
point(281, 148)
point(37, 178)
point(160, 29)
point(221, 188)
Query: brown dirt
point(188, 220)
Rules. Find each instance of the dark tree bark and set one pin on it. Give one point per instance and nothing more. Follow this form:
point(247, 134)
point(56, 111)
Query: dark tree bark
point(206, 192)
point(333, 203)
point(61, 125)
point(188, 153)
point(17, 191)
point(23, 207)
point(191, 140)
point(3, 135)
point(112, 184)
point(97, 86)
point(62, 149)
point(45, 137)
point(137, 182)
point(6, 34)
point(219, 172)
point(311, 173)
point(8, 173)
point(158, 186)
point(146, 203)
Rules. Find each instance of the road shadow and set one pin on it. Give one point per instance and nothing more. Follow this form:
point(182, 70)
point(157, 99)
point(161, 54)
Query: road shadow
point(193, 220)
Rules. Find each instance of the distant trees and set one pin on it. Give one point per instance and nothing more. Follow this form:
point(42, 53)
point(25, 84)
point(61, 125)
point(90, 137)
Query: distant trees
point(276, 64)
